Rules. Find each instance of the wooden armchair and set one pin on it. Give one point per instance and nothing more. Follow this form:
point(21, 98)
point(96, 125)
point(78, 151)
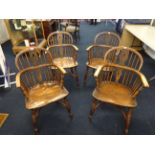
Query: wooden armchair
point(107, 38)
point(59, 37)
point(96, 55)
point(32, 56)
point(119, 87)
point(42, 85)
point(65, 56)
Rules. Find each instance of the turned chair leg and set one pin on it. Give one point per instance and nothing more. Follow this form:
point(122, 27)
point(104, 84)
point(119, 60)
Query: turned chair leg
point(35, 114)
point(86, 76)
point(68, 107)
point(128, 120)
point(93, 109)
point(75, 74)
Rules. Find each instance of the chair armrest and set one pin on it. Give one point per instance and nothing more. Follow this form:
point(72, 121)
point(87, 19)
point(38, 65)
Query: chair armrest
point(97, 72)
point(75, 47)
point(18, 83)
point(88, 48)
point(63, 71)
point(143, 80)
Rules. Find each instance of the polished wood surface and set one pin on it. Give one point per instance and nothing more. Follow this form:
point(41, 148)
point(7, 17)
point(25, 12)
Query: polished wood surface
point(42, 85)
point(119, 86)
point(107, 38)
point(32, 56)
point(124, 56)
point(65, 56)
point(59, 37)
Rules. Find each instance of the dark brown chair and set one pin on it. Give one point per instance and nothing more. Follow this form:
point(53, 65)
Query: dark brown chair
point(119, 87)
point(42, 85)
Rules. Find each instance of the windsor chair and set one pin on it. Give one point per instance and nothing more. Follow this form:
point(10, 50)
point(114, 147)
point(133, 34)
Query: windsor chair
point(59, 37)
point(65, 56)
point(42, 85)
point(119, 87)
point(103, 41)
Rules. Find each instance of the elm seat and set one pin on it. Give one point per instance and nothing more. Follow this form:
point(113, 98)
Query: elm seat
point(65, 62)
point(108, 92)
point(95, 62)
point(44, 94)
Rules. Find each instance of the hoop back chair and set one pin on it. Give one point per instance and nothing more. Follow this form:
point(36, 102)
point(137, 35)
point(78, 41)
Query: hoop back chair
point(119, 87)
point(107, 38)
point(32, 56)
point(124, 56)
point(42, 85)
point(59, 37)
point(96, 55)
point(65, 56)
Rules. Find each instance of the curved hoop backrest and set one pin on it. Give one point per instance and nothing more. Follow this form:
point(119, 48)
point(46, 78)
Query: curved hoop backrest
point(32, 56)
point(59, 37)
point(124, 56)
point(41, 74)
point(107, 38)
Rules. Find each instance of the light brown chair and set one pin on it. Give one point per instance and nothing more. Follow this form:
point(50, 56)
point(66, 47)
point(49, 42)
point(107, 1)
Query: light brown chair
point(59, 37)
point(124, 56)
point(107, 38)
point(65, 56)
point(96, 55)
point(32, 56)
point(119, 87)
point(42, 85)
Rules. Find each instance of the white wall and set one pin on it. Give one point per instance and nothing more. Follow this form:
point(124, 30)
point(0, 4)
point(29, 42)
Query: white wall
point(4, 36)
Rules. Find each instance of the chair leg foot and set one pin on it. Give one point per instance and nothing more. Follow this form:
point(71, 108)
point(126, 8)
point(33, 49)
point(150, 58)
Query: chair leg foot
point(128, 120)
point(67, 107)
point(85, 76)
point(93, 109)
point(35, 114)
point(90, 118)
point(75, 75)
